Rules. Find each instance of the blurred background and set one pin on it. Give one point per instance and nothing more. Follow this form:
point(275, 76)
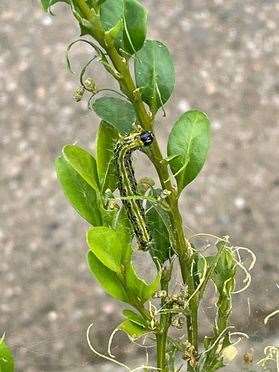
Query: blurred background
point(227, 61)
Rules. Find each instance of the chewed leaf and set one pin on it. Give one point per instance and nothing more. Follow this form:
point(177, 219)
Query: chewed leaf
point(6, 358)
point(188, 146)
point(133, 330)
point(138, 288)
point(115, 111)
point(106, 278)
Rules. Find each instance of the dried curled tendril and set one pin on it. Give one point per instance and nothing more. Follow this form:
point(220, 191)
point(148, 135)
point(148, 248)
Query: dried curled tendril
point(89, 85)
point(238, 260)
point(228, 352)
point(111, 358)
point(271, 353)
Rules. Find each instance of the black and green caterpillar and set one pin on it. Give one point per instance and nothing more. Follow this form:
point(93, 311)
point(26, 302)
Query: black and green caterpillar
point(127, 183)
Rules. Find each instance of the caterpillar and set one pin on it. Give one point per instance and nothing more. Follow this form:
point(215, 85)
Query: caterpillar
point(127, 184)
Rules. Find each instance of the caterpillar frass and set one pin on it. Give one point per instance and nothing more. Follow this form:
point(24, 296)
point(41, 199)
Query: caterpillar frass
point(127, 183)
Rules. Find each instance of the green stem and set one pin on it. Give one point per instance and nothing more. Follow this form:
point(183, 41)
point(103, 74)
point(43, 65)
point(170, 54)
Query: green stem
point(161, 351)
point(165, 321)
point(128, 87)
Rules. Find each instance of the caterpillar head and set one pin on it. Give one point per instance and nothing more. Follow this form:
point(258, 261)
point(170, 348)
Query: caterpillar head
point(147, 138)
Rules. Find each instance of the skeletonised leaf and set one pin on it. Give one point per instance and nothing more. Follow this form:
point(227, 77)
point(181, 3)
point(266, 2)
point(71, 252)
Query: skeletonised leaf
point(111, 247)
point(106, 141)
point(107, 278)
point(115, 111)
point(80, 194)
point(155, 75)
point(188, 146)
point(83, 163)
point(159, 226)
point(6, 358)
point(133, 330)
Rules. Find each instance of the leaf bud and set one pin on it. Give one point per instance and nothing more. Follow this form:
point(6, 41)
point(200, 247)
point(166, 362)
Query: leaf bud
point(90, 85)
point(78, 94)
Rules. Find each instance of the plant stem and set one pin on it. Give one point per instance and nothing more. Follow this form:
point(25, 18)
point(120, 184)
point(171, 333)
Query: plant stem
point(165, 321)
point(161, 351)
point(128, 87)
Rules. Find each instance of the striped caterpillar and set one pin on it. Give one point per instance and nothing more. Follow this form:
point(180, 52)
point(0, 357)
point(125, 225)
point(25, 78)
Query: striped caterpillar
point(127, 183)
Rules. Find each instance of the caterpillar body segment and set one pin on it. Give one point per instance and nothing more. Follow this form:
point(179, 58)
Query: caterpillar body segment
point(127, 183)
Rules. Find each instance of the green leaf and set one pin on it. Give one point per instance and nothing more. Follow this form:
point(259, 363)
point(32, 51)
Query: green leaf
point(133, 330)
point(135, 26)
point(188, 146)
point(115, 111)
point(6, 358)
point(106, 141)
point(107, 278)
point(134, 17)
point(83, 163)
point(113, 250)
point(137, 288)
point(111, 247)
point(155, 75)
point(134, 317)
point(160, 227)
point(111, 13)
point(80, 194)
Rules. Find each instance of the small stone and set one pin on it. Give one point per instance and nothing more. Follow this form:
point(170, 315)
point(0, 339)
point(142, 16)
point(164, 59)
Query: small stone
point(46, 20)
point(52, 316)
point(216, 125)
point(108, 308)
point(183, 105)
point(239, 202)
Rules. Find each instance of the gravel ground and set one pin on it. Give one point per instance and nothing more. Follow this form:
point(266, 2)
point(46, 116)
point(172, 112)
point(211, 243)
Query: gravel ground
point(226, 55)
